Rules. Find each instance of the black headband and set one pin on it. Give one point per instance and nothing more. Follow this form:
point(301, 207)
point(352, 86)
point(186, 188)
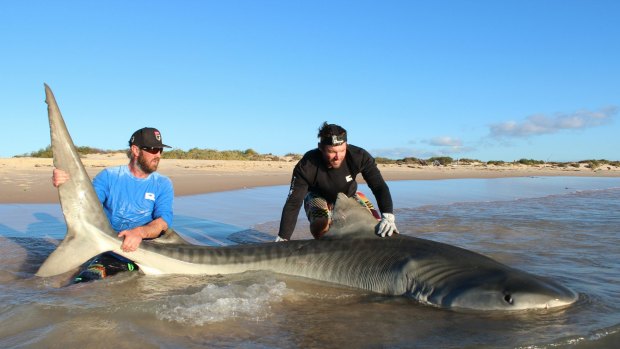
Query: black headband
point(334, 139)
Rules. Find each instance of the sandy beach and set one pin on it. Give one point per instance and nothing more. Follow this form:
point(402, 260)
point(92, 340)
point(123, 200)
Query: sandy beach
point(28, 180)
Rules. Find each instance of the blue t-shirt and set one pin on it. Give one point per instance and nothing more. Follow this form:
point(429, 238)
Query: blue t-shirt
point(131, 202)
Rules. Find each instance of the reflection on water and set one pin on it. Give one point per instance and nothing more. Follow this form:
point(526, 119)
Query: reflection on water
point(563, 228)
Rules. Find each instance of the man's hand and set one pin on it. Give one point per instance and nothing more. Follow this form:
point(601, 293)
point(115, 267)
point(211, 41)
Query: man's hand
point(132, 239)
point(387, 226)
point(59, 177)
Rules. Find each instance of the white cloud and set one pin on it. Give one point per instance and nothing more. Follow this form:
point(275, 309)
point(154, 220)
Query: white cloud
point(397, 153)
point(445, 141)
point(404, 152)
point(541, 124)
point(504, 134)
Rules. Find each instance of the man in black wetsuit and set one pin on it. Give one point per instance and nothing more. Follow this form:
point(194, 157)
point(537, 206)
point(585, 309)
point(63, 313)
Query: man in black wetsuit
point(324, 172)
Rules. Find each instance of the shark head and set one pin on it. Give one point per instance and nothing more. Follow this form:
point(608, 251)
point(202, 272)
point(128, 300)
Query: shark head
point(507, 290)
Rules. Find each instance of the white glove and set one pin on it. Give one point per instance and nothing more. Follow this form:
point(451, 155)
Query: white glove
point(387, 226)
point(278, 239)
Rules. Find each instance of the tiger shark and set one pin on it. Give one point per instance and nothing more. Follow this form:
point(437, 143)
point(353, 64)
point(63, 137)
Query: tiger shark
point(431, 272)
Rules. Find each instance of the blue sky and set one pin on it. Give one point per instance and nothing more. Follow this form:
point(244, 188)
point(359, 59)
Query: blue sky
point(487, 80)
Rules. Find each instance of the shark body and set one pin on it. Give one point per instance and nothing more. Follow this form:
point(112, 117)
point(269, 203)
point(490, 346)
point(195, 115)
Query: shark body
point(433, 273)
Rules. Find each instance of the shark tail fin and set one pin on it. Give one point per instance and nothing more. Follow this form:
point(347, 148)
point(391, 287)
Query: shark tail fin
point(70, 254)
point(88, 229)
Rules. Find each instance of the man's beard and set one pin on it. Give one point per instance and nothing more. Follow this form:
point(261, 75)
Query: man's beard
point(335, 164)
point(147, 167)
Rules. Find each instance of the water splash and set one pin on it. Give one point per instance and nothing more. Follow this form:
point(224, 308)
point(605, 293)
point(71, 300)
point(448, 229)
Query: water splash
point(215, 303)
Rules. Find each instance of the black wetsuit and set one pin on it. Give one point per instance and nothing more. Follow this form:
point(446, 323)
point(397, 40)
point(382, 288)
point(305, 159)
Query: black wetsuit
point(312, 174)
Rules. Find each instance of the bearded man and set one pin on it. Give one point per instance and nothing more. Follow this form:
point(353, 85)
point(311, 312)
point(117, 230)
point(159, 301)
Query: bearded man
point(136, 199)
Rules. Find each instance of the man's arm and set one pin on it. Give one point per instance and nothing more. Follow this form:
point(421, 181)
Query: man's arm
point(290, 211)
point(376, 183)
point(162, 210)
point(133, 237)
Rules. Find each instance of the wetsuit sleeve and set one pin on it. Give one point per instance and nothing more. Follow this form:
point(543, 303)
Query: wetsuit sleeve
point(163, 204)
point(290, 212)
point(375, 182)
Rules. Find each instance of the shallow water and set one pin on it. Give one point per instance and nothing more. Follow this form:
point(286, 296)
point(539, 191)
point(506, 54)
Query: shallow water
point(564, 228)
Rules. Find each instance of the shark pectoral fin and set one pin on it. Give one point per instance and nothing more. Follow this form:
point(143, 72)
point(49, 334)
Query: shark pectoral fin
point(170, 236)
point(72, 252)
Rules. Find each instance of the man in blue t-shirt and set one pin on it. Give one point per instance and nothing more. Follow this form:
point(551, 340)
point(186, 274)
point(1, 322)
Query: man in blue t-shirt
point(136, 199)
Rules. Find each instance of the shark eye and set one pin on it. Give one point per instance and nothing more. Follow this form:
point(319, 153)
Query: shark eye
point(508, 298)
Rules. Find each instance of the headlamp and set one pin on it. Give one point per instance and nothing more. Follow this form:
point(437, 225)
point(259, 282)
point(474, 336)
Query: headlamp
point(334, 140)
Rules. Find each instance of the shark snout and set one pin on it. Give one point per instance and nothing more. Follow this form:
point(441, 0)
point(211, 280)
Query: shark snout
point(516, 293)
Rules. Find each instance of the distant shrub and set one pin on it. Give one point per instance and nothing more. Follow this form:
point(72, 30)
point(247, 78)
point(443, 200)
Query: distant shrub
point(48, 153)
point(382, 160)
point(411, 161)
point(466, 161)
point(212, 154)
point(593, 164)
point(441, 160)
point(89, 150)
point(496, 162)
point(41, 153)
point(251, 152)
point(293, 156)
point(530, 162)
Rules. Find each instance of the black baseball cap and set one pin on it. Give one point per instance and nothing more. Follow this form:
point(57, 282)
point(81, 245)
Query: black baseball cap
point(147, 137)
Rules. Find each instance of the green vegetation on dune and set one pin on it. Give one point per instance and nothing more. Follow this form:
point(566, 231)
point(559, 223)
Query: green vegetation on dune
point(252, 155)
point(212, 154)
point(530, 162)
point(194, 154)
point(593, 164)
point(47, 152)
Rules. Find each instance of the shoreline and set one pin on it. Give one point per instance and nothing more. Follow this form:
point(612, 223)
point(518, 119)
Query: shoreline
point(28, 180)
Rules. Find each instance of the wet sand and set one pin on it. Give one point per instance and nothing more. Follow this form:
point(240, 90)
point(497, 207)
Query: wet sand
point(28, 180)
